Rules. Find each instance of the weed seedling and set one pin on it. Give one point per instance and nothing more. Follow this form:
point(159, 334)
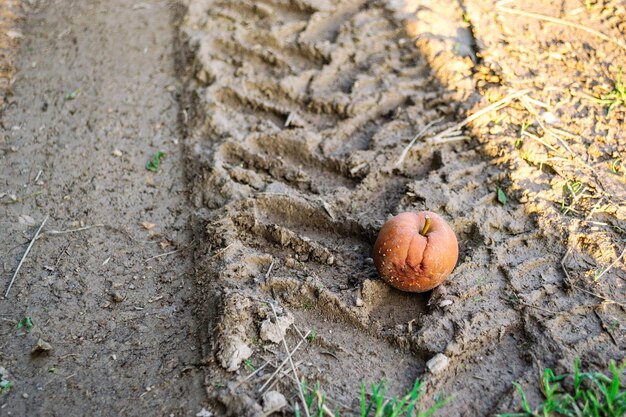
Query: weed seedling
point(249, 366)
point(155, 163)
point(588, 394)
point(501, 196)
point(571, 189)
point(311, 337)
point(26, 323)
point(615, 166)
point(395, 407)
point(374, 404)
point(72, 95)
point(5, 385)
point(618, 95)
point(519, 141)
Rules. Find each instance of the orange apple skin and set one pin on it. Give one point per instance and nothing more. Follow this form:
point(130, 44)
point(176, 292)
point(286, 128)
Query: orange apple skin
point(408, 261)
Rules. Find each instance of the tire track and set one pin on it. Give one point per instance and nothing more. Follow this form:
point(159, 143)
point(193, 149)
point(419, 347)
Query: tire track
point(297, 138)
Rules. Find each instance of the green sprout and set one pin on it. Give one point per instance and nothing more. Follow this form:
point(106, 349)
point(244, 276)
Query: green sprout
point(519, 141)
point(615, 166)
point(312, 335)
point(5, 385)
point(374, 404)
point(501, 196)
point(249, 366)
point(26, 323)
point(72, 94)
point(155, 163)
point(571, 189)
point(617, 96)
point(587, 394)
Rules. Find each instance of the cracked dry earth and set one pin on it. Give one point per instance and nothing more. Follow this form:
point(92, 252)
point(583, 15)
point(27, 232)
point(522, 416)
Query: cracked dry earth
point(286, 125)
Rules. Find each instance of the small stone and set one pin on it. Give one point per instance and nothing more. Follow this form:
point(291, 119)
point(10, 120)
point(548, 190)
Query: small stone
point(14, 34)
point(116, 152)
point(117, 297)
point(290, 262)
point(41, 347)
point(549, 117)
point(359, 302)
point(437, 363)
point(445, 303)
point(24, 395)
point(273, 401)
point(204, 413)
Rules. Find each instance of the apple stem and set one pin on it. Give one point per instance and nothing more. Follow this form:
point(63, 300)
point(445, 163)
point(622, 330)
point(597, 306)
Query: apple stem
point(426, 226)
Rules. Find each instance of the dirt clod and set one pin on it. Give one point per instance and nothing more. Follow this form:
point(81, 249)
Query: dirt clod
point(233, 352)
point(273, 401)
point(117, 296)
point(275, 331)
point(41, 347)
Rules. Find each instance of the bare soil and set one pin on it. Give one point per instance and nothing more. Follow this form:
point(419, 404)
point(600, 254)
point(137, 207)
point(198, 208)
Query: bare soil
point(121, 327)
point(285, 126)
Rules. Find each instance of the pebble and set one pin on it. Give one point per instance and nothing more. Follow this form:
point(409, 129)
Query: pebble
point(549, 117)
point(359, 302)
point(445, 303)
point(204, 413)
point(438, 363)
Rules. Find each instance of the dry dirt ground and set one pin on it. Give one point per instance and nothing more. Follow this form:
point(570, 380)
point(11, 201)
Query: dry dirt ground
point(94, 97)
point(287, 129)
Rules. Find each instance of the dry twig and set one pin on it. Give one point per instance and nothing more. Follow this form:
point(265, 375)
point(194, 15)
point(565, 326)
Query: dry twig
point(283, 363)
point(80, 229)
point(442, 137)
point(421, 133)
point(293, 367)
point(161, 255)
point(564, 23)
point(612, 264)
point(6, 294)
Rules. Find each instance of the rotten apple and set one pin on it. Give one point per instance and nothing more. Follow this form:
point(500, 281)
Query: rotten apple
point(415, 252)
